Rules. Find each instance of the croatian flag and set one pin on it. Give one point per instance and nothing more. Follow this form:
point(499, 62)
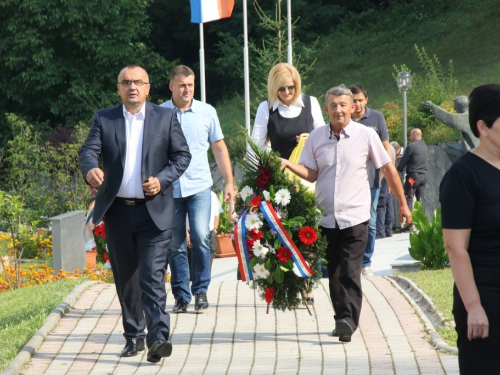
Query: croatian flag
point(210, 10)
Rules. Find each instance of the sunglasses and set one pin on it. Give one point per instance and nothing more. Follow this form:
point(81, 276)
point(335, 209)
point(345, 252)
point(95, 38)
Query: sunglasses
point(284, 88)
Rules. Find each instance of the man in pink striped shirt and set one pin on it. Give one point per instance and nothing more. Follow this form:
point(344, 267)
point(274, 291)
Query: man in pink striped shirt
point(336, 156)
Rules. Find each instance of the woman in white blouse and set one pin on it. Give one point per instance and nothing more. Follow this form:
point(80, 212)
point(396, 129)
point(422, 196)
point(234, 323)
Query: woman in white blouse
point(287, 114)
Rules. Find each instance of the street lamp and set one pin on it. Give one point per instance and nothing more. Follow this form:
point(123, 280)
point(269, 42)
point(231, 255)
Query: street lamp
point(404, 83)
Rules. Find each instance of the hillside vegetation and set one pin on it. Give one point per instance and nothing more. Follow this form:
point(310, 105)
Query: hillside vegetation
point(366, 48)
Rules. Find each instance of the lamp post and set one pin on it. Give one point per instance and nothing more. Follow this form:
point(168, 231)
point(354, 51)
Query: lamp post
point(404, 83)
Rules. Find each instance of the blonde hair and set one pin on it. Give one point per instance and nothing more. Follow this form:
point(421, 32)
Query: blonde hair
point(279, 76)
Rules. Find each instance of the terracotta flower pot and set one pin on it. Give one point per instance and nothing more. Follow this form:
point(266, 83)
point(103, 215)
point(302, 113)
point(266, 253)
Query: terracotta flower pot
point(91, 259)
point(224, 246)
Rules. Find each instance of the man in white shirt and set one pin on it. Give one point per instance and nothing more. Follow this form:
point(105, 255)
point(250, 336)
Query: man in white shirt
point(336, 157)
point(143, 151)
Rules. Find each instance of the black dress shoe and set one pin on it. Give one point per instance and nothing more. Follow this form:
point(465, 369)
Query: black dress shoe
point(180, 306)
point(132, 347)
point(201, 301)
point(343, 330)
point(158, 350)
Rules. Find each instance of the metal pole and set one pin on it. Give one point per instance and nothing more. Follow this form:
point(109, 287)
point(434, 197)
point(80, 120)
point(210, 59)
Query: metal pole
point(202, 65)
point(246, 69)
point(289, 22)
point(405, 129)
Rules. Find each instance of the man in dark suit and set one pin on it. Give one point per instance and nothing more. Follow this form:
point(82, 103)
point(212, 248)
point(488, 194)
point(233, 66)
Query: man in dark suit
point(143, 151)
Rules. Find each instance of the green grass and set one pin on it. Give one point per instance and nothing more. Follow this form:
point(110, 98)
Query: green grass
point(438, 285)
point(23, 311)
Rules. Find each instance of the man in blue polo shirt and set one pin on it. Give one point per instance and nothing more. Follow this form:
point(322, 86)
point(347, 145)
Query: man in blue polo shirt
point(375, 120)
point(192, 191)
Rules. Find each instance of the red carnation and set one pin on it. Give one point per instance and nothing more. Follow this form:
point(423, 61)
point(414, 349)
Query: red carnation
point(269, 294)
point(284, 255)
point(105, 256)
point(250, 243)
point(99, 231)
point(255, 202)
point(411, 181)
point(262, 182)
point(308, 236)
point(256, 234)
point(265, 172)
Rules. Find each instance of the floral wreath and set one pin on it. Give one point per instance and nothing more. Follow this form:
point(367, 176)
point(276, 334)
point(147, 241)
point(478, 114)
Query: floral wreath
point(279, 247)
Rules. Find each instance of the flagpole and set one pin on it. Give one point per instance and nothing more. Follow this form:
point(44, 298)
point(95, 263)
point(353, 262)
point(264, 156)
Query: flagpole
point(202, 65)
point(289, 21)
point(246, 69)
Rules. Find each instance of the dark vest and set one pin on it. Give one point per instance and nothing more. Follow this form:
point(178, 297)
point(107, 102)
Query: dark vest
point(282, 130)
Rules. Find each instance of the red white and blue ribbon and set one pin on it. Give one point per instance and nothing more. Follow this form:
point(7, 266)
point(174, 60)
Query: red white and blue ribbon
point(88, 235)
point(274, 222)
point(241, 249)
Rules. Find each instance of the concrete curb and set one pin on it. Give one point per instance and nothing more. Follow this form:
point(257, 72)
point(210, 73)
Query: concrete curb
point(16, 365)
point(430, 316)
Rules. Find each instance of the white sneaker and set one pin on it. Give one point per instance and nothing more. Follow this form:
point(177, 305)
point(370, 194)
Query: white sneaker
point(367, 271)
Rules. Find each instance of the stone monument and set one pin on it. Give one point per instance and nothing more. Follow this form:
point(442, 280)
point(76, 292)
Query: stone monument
point(459, 120)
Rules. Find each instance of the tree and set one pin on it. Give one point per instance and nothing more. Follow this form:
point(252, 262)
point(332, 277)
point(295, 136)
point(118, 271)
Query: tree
point(61, 58)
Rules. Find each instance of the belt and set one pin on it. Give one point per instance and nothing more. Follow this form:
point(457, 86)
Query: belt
point(130, 201)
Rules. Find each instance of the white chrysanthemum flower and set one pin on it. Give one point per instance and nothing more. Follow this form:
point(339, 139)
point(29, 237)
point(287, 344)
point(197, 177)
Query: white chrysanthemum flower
point(246, 192)
point(282, 197)
point(267, 195)
point(252, 221)
point(259, 250)
point(260, 271)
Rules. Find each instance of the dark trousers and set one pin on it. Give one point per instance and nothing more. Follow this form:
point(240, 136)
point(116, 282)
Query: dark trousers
point(138, 252)
point(345, 255)
point(480, 356)
point(417, 189)
point(385, 213)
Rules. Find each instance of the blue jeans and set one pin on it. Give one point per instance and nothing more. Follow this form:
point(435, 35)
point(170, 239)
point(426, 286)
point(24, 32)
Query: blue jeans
point(372, 228)
point(385, 214)
point(197, 207)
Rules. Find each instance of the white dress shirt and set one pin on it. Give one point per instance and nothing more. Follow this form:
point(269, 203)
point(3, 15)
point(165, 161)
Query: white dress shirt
point(131, 186)
point(259, 133)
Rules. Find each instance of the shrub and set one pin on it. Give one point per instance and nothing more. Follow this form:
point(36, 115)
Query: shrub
point(45, 176)
point(436, 84)
point(426, 242)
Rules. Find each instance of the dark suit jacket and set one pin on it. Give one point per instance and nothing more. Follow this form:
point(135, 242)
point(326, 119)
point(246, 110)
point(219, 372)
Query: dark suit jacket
point(165, 155)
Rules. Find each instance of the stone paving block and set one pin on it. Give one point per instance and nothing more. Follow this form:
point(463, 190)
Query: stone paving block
point(235, 335)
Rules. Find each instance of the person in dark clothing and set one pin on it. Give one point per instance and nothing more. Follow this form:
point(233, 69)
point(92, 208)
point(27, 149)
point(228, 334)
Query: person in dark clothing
point(375, 120)
point(415, 161)
point(470, 203)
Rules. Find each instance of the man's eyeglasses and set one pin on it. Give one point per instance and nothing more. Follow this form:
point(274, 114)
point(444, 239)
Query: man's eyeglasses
point(284, 88)
point(129, 83)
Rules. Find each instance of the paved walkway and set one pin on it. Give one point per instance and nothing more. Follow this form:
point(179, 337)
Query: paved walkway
point(236, 336)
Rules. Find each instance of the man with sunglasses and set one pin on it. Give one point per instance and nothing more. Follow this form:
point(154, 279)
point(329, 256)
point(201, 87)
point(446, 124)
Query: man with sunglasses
point(142, 151)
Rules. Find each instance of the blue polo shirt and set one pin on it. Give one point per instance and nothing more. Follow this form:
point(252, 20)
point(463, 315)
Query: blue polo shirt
point(201, 126)
point(375, 120)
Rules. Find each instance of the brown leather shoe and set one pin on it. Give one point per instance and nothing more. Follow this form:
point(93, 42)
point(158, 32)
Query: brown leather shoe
point(132, 347)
